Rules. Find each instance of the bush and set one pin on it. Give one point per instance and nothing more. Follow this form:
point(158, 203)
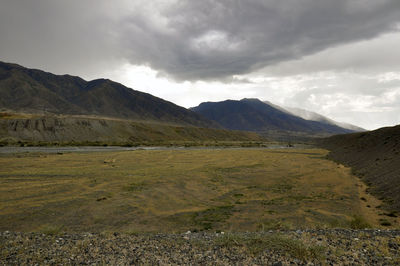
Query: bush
point(358, 222)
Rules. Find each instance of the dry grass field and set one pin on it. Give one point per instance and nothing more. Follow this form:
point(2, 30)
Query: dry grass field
point(179, 190)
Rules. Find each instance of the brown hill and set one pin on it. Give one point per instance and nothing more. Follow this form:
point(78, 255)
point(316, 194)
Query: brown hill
point(374, 156)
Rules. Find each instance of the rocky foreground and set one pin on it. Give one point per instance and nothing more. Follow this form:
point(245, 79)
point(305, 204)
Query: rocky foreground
point(308, 247)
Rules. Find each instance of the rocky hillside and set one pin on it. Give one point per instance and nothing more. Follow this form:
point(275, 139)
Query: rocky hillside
point(35, 91)
point(375, 157)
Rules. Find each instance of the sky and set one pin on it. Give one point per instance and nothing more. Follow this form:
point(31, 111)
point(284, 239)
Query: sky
point(339, 58)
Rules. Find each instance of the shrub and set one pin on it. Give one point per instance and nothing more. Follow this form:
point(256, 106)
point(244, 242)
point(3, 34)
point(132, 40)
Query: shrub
point(358, 222)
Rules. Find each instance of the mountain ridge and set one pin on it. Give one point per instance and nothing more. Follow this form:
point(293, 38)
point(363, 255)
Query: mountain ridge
point(310, 115)
point(32, 90)
point(255, 115)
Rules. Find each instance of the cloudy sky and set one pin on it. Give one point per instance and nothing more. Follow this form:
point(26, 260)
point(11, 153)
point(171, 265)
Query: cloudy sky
point(340, 58)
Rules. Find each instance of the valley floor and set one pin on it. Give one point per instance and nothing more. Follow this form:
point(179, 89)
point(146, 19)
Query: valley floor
point(190, 206)
point(173, 191)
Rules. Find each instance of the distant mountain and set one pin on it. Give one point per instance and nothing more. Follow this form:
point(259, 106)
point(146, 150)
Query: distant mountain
point(35, 91)
point(255, 115)
point(375, 157)
point(308, 115)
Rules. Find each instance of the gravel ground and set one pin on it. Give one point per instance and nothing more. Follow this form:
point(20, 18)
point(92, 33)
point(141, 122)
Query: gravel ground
point(307, 247)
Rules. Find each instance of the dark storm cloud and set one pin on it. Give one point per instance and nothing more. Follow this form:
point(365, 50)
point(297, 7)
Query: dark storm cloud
point(187, 40)
point(213, 39)
point(58, 36)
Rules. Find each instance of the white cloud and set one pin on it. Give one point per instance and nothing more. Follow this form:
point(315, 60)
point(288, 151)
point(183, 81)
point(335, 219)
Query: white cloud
point(215, 40)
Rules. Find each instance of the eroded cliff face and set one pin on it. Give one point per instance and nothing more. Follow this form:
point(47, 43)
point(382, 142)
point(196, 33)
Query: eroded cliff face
point(89, 129)
point(56, 129)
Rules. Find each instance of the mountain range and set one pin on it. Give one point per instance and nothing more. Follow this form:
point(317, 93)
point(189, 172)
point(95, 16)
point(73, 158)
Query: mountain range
point(38, 107)
point(36, 91)
point(32, 91)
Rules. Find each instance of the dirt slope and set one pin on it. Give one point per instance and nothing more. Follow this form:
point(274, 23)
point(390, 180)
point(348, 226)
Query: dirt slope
point(374, 156)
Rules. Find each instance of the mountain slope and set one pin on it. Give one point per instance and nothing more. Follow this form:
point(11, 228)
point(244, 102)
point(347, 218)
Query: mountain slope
point(375, 157)
point(36, 91)
point(309, 115)
point(255, 115)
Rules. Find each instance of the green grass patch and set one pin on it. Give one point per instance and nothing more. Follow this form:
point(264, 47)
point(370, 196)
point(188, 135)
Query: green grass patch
point(212, 217)
point(359, 222)
point(50, 229)
point(256, 244)
point(139, 186)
